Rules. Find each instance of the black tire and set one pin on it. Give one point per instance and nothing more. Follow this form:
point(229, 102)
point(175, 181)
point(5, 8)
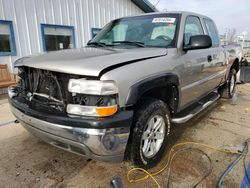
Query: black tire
point(227, 91)
point(148, 110)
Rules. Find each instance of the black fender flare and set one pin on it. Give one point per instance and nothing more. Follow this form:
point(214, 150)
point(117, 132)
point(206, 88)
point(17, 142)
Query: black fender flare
point(141, 87)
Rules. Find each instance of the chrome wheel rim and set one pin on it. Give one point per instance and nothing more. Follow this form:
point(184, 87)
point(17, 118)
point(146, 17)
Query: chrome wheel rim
point(232, 83)
point(153, 136)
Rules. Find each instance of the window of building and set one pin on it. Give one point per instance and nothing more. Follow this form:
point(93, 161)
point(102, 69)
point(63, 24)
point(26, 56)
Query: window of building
point(7, 39)
point(57, 37)
point(212, 32)
point(192, 27)
point(95, 31)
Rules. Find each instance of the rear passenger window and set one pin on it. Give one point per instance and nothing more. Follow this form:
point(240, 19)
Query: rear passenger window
point(212, 32)
point(192, 27)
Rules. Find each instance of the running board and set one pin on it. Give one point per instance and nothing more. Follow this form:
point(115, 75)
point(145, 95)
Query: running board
point(195, 109)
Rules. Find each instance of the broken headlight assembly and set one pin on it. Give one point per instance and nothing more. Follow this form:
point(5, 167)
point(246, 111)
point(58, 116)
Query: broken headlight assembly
point(94, 98)
point(15, 90)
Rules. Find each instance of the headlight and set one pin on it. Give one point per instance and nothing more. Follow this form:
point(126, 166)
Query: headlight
point(94, 111)
point(94, 98)
point(92, 87)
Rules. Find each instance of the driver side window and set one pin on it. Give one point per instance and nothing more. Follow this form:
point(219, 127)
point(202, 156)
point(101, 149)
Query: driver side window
point(192, 27)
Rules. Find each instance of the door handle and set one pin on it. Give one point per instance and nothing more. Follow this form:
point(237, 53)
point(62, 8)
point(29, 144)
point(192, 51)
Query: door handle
point(209, 58)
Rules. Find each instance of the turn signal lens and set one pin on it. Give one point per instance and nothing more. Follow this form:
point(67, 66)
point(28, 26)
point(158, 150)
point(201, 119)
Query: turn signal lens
point(93, 111)
point(106, 111)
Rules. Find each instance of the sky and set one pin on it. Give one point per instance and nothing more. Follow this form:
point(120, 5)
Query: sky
point(227, 14)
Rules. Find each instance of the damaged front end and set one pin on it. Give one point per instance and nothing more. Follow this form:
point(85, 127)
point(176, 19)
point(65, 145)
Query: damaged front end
point(41, 88)
point(70, 112)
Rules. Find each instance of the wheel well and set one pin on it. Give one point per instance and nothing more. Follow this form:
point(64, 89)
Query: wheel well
point(168, 94)
point(236, 65)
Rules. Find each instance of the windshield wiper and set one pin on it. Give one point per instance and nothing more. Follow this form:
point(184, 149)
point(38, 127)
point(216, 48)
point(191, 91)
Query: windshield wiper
point(140, 44)
point(102, 44)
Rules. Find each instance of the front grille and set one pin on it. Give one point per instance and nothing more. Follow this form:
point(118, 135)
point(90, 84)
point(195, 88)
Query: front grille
point(46, 83)
point(46, 87)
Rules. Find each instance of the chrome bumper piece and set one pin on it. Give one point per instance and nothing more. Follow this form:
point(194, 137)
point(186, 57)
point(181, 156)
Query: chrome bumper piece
point(100, 144)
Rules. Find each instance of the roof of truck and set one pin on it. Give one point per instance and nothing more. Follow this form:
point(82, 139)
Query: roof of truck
point(171, 12)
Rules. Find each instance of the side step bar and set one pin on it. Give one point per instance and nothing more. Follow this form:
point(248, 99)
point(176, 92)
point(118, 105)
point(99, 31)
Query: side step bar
point(184, 117)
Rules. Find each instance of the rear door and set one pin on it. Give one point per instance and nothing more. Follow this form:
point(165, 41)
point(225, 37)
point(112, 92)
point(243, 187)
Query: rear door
point(196, 63)
point(218, 65)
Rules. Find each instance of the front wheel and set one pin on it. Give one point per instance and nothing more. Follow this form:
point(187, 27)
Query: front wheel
point(150, 133)
point(229, 89)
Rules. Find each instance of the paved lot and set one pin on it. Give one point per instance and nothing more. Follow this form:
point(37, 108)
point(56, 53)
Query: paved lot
point(28, 162)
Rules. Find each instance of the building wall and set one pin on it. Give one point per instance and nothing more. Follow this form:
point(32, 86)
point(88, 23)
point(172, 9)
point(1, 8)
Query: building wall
point(28, 15)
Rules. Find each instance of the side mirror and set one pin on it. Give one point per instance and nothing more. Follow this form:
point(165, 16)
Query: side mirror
point(198, 42)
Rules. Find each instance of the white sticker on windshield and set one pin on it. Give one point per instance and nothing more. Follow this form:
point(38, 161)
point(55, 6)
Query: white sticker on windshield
point(164, 20)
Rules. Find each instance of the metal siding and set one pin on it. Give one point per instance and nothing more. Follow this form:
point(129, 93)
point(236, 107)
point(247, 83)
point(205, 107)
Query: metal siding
point(117, 9)
point(64, 12)
point(112, 10)
point(39, 18)
point(96, 13)
point(107, 6)
point(102, 12)
point(81, 28)
point(6, 7)
point(16, 33)
point(56, 7)
point(28, 15)
point(32, 26)
point(93, 17)
point(78, 22)
point(49, 13)
point(22, 28)
point(1, 10)
point(86, 22)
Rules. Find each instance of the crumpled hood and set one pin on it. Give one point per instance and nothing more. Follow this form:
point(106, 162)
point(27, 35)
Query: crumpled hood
point(89, 61)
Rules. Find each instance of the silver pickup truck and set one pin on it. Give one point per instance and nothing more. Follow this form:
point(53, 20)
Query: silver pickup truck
point(117, 98)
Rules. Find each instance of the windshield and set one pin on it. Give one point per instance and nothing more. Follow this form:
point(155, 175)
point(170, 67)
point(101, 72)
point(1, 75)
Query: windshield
point(141, 31)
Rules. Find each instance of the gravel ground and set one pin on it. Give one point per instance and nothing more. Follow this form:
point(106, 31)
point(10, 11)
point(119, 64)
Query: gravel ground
point(28, 162)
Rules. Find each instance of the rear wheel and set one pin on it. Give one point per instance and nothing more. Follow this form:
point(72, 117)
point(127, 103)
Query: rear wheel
point(229, 89)
point(150, 133)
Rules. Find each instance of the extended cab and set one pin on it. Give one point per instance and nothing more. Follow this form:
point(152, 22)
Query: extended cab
point(118, 97)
